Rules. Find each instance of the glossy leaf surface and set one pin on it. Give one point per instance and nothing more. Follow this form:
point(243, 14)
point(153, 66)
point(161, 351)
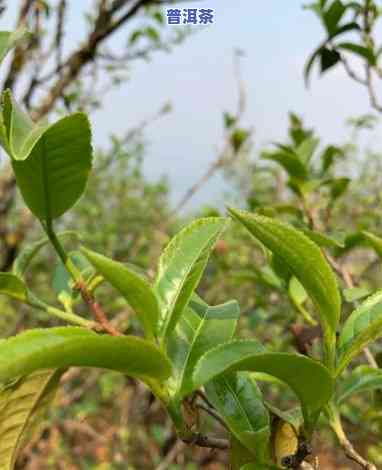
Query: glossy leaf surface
point(361, 379)
point(53, 348)
point(134, 288)
point(307, 263)
point(199, 329)
point(239, 401)
point(309, 379)
point(363, 326)
point(181, 267)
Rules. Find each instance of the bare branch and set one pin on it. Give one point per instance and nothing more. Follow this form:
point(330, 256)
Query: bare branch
point(104, 27)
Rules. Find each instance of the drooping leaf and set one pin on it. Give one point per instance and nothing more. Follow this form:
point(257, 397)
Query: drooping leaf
point(26, 255)
point(363, 326)
point(306, 262)
point(309, 379)
point(364, 52)
point(239, 401)
point(217, 325)
point(12, 286)
point(54, 348)
point(181, 267)
point(361, 379)
point(353, 26)
point(328, 58)
point(135, 289)
point(329, 155)
point(22, 402)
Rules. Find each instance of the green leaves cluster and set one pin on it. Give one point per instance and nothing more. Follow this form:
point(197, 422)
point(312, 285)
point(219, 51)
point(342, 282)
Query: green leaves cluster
point(340, 18)
point(188, 345)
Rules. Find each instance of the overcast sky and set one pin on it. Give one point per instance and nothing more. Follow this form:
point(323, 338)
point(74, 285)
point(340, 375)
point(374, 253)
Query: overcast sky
point(197, 77)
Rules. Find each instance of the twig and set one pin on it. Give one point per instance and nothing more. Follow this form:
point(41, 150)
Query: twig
point(212, 413)
point(104, 27)
point(202, 440)
point(96, 310)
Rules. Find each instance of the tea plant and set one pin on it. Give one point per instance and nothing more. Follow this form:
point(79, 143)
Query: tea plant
point(189, 355)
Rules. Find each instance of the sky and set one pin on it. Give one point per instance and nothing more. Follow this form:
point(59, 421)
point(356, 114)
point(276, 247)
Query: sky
point(277, 36)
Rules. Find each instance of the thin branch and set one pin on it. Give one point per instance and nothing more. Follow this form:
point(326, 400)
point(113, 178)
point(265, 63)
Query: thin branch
point(212, 413)
point(202, 440)
point(96, 310)
point(104, 27)
point(19, 59)
point(60, 32)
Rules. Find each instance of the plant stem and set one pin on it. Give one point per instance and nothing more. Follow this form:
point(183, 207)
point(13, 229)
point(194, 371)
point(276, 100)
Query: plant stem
point(87, 296)
point(69, 317)
point(347, 446)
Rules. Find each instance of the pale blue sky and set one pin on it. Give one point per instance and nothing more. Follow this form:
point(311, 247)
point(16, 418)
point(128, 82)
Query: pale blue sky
point(197, 77)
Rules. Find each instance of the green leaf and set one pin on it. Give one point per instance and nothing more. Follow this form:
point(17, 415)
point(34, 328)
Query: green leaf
point(239, 401)
point(54, 175)
point(361, 379)
point(297, 291)
point(329, 155)
point(309, 379)
point(134, 288)
point(54, 348)
point(306, 149)
point(289, 161)
point(306, 262)
point(20, 133)
point(356, 293)
point(321, 239)
point(363, 326)
point(216, 325)
point(51, 163)
point(22, 402)
point(26, 255)
point(337, 186)
point(10, 39)
point(374, 241)
point(181, 266)
point(361, 51)
point(333, 15)
point(329, 58)
point(298, 295)
point(12, 286)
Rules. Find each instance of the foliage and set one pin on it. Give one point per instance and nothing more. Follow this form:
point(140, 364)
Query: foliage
point(195, 356)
